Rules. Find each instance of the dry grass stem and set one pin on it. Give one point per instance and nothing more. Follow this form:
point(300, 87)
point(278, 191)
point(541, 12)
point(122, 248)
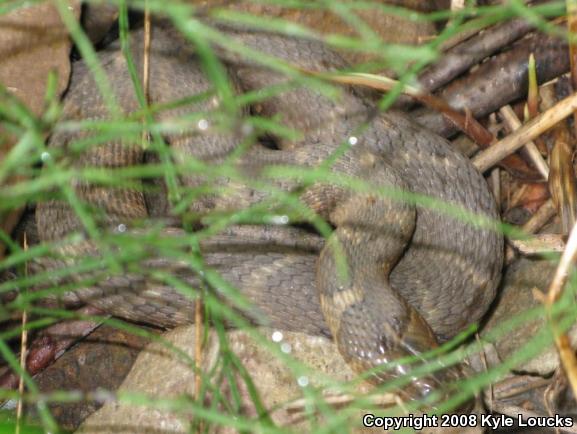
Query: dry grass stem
point(566, 353)
point(527, 132)
point(572, 27)
point(459, 38)
point(514, 124)
point(198, 345)
point(23, 354)
point(489, 393)
point(146, 54)
point(517, 385)
point(297, 409)
point(457, 4)
point(517, 196)
point(540, 218)
point(466, 123)
point(548, 96)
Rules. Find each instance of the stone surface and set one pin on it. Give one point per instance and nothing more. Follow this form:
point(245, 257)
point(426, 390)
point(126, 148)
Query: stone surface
point(158, 372)
point(101, 361)
point(33, 42)
point(98, 18)
point(517, 296)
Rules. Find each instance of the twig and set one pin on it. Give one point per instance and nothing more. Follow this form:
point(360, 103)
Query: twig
point(556, 388)
point(543, 243)
point(457, 4)
point(483, 357)
point(540, 218)
point(498, 81)
point(464, 122)
point(514, 411)
point(340, 401)
point(527, 132)
point(198, 344)
point(23, 354)
point(572, 27)
point(297, 409)
point(514, 124)
point(536, 222)
point(518, 196)
point(517, 385)
point(462, 57)
point(461, 36)
point(146, 54)
point(562, 342)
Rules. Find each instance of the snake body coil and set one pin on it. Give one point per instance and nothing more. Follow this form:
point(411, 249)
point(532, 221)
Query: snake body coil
point(393, 279)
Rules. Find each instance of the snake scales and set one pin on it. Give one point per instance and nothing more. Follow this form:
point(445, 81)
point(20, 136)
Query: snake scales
point(413, 276)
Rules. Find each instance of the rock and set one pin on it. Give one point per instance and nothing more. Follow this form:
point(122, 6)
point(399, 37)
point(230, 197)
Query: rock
point(516, 297)
point(97, 19)
point(101, 361)
point(33, 42)
point(160, 373)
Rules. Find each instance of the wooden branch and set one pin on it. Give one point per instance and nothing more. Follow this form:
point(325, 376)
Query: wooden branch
point(526, 133)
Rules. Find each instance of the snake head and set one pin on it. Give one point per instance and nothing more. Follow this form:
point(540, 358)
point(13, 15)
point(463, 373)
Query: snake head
point(406, 349)
point(389, 348)
point(432, 388)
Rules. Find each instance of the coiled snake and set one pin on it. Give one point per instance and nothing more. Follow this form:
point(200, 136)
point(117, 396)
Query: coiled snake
point(412, 276)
